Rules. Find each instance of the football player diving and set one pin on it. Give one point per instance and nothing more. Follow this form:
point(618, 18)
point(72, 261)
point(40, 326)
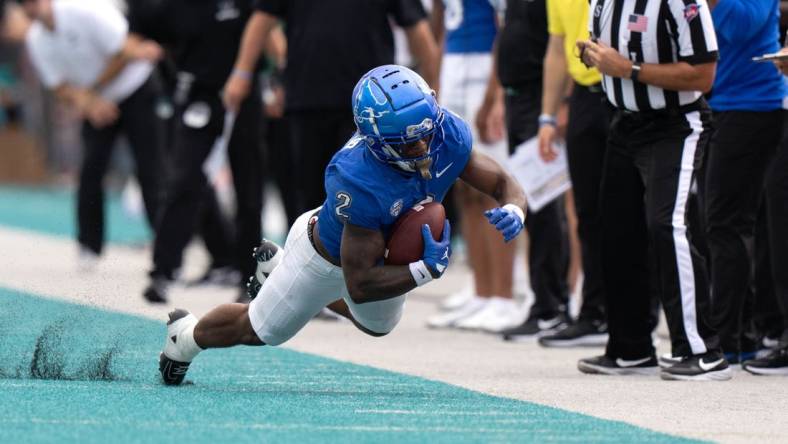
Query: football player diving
point(407, 150)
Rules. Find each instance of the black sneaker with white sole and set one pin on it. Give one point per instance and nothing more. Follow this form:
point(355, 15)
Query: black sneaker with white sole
point(668, 360)
point(581, 333)
point(775, 363)
point(711, 366)
point(534, 327)
point(605, 365)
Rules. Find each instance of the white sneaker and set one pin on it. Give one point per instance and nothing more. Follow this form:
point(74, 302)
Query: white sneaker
point(449, 319)
point(457, 299)
point(497, 315)
point(177, 347)
point(508, 315)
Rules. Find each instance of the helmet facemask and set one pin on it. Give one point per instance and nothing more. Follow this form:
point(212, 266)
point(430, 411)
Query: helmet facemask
point(395, 152)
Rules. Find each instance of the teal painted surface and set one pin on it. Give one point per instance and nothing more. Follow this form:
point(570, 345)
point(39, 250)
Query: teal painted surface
point(53, 211)
point(103, 387)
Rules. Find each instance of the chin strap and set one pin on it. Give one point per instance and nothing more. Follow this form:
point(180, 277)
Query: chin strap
point(423, 166)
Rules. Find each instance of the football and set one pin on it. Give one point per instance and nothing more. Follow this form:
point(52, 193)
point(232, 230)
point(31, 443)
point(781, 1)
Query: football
point(405, 244)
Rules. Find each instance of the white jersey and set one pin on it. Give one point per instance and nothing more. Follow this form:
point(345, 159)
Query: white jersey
point(87, 34)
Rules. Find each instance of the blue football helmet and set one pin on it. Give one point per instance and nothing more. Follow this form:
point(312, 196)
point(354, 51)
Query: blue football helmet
point(394, 106)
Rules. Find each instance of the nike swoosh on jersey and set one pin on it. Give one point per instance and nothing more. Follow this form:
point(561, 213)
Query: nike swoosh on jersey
point(706, 367)
point(440, 173)
point(625, 363)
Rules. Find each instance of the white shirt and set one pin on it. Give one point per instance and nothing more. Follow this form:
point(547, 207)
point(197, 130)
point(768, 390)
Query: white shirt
point(87, 34)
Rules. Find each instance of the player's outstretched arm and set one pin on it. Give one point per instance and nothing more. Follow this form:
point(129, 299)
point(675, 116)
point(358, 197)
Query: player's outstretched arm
point(487, 176)
point(368, 281)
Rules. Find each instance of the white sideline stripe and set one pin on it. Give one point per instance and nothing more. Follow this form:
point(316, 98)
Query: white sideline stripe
point(681, 244)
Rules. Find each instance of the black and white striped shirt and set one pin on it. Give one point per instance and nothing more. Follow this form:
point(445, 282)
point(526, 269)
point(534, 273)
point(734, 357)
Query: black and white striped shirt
point(653, 31)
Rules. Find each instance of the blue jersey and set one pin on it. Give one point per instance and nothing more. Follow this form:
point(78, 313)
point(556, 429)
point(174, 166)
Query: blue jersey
point(470, 26)
point(746, 29)
point(364, 191)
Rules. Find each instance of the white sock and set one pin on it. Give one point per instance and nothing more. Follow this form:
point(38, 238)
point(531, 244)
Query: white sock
point(187, 346)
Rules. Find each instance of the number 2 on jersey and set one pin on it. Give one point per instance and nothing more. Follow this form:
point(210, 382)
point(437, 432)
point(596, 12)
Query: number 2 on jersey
point(343, 201)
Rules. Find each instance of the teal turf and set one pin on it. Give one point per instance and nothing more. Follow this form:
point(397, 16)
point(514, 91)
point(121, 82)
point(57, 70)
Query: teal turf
point(104, 387)
point(53, 211)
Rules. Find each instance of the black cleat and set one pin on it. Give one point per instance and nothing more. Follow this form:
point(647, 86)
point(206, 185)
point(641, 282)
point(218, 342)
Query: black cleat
point(172, 372)
point(253, 287)
point(267, 255)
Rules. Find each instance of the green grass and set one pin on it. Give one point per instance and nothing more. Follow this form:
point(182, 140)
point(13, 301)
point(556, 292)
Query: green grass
point(71, 373)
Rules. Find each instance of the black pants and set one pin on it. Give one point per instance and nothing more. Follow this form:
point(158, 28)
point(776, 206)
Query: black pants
point(767, 316)
point(188, 184)
point(777, 210)
point(741, 149)
point(315, 135)
point(649, 166)
point(145, 132)
point(586, 141)
point(278, 164)
point(213, 227)
point(549, 251)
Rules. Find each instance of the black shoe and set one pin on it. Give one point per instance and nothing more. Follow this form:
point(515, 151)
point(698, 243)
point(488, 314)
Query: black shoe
point(582, 333)
point(267, 255)
point(710, 366)
point(533, 327)
point(157, 290)
point(244, 294)
point(253, 287)
point(223, 276)
point(775, 363)
point(668, 360)
point(172, 371)
point(604, 365)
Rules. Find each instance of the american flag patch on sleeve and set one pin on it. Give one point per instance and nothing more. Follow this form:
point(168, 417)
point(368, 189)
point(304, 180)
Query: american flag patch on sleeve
point(637, 23)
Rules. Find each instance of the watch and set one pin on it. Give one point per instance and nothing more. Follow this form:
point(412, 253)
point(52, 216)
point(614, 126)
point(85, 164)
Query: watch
point(635, 71)
point(547, 119)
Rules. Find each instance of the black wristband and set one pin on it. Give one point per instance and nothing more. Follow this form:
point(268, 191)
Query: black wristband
point(635, 71)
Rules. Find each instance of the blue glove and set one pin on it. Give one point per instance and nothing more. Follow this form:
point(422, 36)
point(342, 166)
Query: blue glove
point(436, 254)
point(508, 220)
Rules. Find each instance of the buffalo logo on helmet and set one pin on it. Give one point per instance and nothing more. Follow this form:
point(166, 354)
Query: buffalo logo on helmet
point(424, 126)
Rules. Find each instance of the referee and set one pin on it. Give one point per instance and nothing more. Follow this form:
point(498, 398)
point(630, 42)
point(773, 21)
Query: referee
point(657, 58)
